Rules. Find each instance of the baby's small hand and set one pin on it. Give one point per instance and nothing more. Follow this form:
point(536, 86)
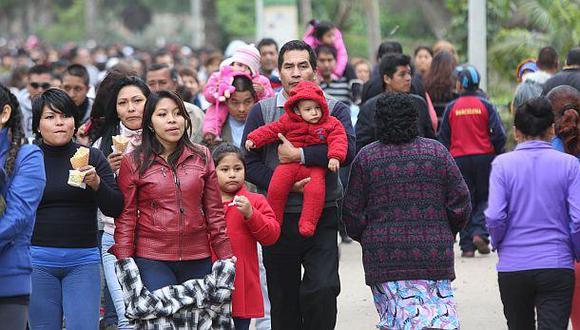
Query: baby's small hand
point(222, 98)
point(209, 138)
point(250, 145)
point(333, 164)
point(227, 94)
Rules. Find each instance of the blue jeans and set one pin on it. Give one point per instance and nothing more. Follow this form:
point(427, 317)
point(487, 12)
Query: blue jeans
point(156, 274)
point(242, 324)
point(113, 283)
point(74, 290)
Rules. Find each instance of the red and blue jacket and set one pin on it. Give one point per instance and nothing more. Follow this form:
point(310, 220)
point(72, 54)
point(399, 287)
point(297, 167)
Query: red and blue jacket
point(471, 126)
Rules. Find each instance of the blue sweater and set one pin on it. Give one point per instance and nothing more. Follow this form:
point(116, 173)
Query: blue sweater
point(23, 192)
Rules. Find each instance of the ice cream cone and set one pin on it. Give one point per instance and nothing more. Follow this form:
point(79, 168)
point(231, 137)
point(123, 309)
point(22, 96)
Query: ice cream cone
point(80, 158)
point(120, 143)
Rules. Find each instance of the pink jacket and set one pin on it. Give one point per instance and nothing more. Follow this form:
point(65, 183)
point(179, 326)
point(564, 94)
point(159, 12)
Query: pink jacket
point(217, 113)
point(341, 55)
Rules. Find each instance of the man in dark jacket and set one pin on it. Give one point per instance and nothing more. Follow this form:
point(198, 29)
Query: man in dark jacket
point(374, 86)
point(299, 301)
point(570, 74)
point(396, 72)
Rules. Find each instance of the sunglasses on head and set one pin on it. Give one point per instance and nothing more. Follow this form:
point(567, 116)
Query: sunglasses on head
point(36, 85)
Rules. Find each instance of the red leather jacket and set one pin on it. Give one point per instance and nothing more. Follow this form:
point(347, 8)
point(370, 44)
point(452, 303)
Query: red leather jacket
point(171, 215)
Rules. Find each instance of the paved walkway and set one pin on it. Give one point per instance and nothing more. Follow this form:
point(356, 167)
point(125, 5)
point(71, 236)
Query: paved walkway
point(476, 291)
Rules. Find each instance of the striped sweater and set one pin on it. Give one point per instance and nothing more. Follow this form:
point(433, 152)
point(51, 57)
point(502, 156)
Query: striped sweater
point(404, 204)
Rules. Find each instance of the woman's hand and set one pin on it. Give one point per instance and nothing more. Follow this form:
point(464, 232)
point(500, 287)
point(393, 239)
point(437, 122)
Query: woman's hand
point(92, 179)
point(244, 206)
point(115, 161)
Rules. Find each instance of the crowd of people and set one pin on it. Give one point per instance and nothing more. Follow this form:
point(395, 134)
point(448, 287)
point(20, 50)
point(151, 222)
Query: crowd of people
point(158, 170)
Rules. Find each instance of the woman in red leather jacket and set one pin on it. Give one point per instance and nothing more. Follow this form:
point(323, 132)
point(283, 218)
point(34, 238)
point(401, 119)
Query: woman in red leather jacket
point(173, 211)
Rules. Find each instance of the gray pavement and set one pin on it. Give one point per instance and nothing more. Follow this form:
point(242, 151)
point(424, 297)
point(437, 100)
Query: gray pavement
point(476, 292)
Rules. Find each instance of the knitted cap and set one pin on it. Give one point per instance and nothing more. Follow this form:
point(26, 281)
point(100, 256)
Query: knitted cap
point(306, 90)
point(468, 77)
point(248, 55)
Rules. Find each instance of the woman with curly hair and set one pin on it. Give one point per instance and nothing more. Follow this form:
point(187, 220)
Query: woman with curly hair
point(565, 102)
point(22, 181)
point(439, 81)
point(405, 202)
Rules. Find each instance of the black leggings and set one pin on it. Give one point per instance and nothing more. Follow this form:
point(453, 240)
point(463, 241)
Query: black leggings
point(14, 313)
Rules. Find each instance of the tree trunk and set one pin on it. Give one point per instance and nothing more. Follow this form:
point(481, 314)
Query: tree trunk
point(373, 28)
point(305, 12)
point(197, 24)
point(90, 19)
point(343, 13)
point(211, 27)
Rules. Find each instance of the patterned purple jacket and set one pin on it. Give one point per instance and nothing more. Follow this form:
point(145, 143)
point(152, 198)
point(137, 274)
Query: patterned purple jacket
point(404, 204)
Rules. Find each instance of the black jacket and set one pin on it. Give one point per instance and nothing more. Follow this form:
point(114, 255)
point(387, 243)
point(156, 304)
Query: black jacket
point(570, 77)
point(366, 125)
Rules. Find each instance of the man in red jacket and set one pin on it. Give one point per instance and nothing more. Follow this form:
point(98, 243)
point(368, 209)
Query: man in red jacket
point(473, 132)
point(306, 122)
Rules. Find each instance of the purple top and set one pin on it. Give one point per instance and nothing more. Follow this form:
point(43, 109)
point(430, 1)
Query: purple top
point(533, 214)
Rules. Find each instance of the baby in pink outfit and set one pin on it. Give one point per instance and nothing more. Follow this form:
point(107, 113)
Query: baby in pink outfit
point(219, 88)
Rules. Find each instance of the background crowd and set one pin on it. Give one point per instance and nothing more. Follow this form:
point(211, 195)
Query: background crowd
point(423, 160)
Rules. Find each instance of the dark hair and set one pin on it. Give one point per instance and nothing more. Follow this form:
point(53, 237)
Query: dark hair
point(547, 58)
point(297, 45)
point(321, 28)
point(439, 80)
point(104, 92)
point(325, 49)
point(390, 62)
point(78, 70)
point(565, 102)
point(189, 73)
point(110, 117)
point(150, 146)
point(573, 57)
point(225, 149)
point(267, 42)
point(396, 118)
point(156, 67)
point(14, 124)
point(39, 69)
point(162, 52)
point(534, 117)
point(389, 47)
point(244, 84)
point(420, 48)
point(57, 100)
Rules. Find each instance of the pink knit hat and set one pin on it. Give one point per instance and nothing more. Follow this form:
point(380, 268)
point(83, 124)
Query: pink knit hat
point(248, 55)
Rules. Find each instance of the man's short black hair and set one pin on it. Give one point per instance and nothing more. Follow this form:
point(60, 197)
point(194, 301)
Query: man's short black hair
point(39, 69)
point(78, 70)
point(267, 42)
point(573, 57)
point(325, 49)
point(390, 62)
point(389, 47)
point(547, 58)
point(297, 45)
point(160, 66)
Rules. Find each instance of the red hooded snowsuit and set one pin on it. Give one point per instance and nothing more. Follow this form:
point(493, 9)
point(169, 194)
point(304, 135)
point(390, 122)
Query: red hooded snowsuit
point(300, 133)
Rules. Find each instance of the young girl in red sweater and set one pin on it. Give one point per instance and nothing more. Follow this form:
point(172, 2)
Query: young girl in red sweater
point(249, 219)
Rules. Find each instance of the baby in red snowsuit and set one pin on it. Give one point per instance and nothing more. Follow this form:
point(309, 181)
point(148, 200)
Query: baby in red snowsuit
point(306, 122)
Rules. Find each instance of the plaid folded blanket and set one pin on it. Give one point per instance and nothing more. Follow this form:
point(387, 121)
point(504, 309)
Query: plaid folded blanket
point(195, 304)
